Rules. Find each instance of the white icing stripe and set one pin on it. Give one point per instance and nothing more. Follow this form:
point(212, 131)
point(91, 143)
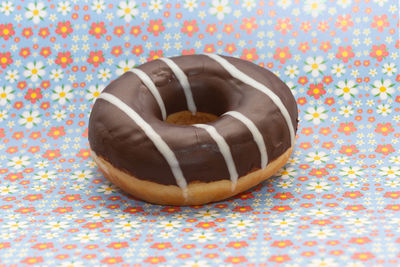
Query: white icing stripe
point(154, 137)
point(236, 73)
point(224, 149)
point(153, 89)
point(183, 80)
point(258, 138)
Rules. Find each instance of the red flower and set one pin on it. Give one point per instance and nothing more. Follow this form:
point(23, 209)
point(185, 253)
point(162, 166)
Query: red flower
point(248, 25)
point(283, 196)
point(119, 31)
point(302, 80)
point(188, 51)
point(282, 244)
point(12, 149)
point(44, 32)
point(323, 26)
point(393, 207)
point(244, 196)
point(64, 28)
point(249, 54)
point(282, 208)
point(316, 90)
point(33, 95)
point(190, 27)
point(345, 53)
point(211, 28)
point(353, 194)
point(242, 209)
point(154, 54)
point(95, 58)
point(379, 52)
point(347, 128)
point(318, 172)
point(380, 22)
point(156, 26)
point(321, 222)
point(24, 210)
point(385, 149)
point(135, 30)
point(363, 256)
point(359, 240)
point(5, 245)
point(63, 59)
point(5, 59)
point(282, 54)
point(63, 210)
point(325, 46)
point(14, 176)
point(71, 198)
point(25, 52)
point(35, 135)
point(230, 48)
point(33, 197)
point(45, 51)
point(161, 246)
point(283, 25)
point(235, 259)
point(6, 31)
point(349, 150)
point(32, 260)
point(97, 29)
point(137, 50)
point(52, 154)
point(279, 258)
point(171, 209)
point(355, 207)
point(384, 128)
point(344, 22)
point(116, 51)
point(112, 260)
point(303, 47)
point(18, 135)
point(118, 245)
point(43, 246)
point(83, 153)
point(27, 32)
point(394, 195)
point(92, 225)
point(237, 244)
point(209, 48)
point(305, 26)
point(155, 260)
point(56, 132)
point(228, 28)
point(133, 210)
point(206, 225)
point(327, 79)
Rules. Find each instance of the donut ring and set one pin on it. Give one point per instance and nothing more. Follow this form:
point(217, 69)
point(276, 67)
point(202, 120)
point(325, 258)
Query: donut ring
point(137, 149)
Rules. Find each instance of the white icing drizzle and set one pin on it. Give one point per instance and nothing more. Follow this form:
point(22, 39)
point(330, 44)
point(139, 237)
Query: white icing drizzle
point(258, 138)
point(236, 73)
point(160, 144)
point(183, 80)
point(153, 89)
point(225, 151)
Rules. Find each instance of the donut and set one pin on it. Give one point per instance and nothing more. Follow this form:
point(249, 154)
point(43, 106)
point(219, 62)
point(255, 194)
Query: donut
point(192, 129)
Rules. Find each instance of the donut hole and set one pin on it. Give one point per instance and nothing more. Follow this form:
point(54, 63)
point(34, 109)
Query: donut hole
point(187, 118)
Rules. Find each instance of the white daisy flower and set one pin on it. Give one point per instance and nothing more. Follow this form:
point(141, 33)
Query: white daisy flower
point(220, 8)
point(166, 234)
point(18, 162)
point(384, 109)
point(171, 224)
point(248, 4)
point(34, 70)
point(241, 224)
point(284, 184)
point(124, 66)
point(346, 89)
point(6, 7)
point(344, 3)
point(342, 160)
point(156, 6)
point(98, 6)
point(314, 7)
point(81, 176)
point(196, 263)
point(64, 7)
point(389, 171)
point(127, 225)
point(86, 237)
point(316, 114)
point(107, 189)
point(393, 183)
point(56, 75)
point(12, 76)
point(292, 71)
point(323, 261)
point(389, 69)
point(383, 89)
point(319, 212)
point(104, 74)
point(356, 222)
point(351, 184)
point(284, 3)
point(394, 159)
point(59, 115)
point(94, 91)
point(6, 94)
point(3, 115)
point(127, 10)
point(15, 225)
point(284, 223)
point(207, 214)
point(351, 172)
point(338, 69)
point(346, 111)
point(7, 189)
point(321, 233)
point(381, 2)
point(314, 65)
point(190, 5)
point(72, 264)
point(317, 157)
point(30, 118)
point(44, 176)
point(286, 172)
point(62, 94)
point(202, 236)
point(318, 186)
point(36, 12)
point(97, 214)
point(77, 187)
point(56, 225)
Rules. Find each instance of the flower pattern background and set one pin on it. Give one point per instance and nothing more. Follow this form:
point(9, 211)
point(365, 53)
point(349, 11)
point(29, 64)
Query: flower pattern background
point(336, 202)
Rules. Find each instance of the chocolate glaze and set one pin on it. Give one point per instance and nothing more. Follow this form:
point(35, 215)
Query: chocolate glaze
point(116, 138)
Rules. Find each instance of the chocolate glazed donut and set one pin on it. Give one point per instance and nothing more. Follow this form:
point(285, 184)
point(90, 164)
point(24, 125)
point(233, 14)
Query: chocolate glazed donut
point(165, 163)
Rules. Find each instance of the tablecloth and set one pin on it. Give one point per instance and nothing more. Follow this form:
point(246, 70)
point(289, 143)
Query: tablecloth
point(336, 202)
